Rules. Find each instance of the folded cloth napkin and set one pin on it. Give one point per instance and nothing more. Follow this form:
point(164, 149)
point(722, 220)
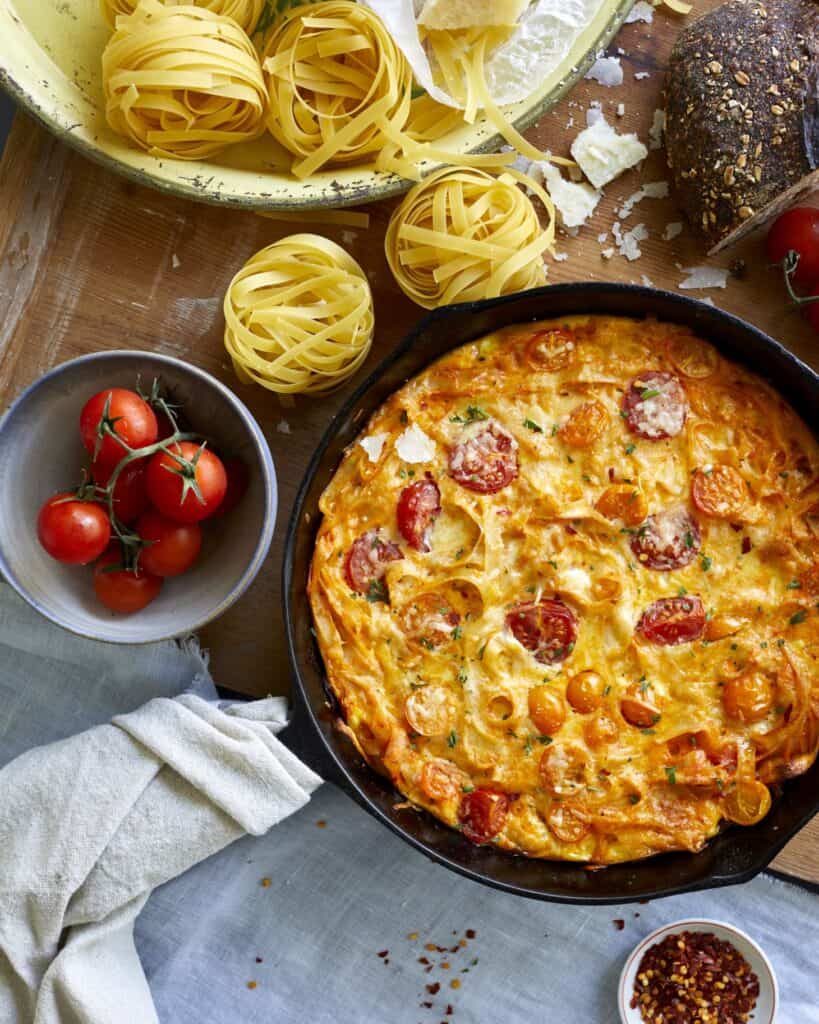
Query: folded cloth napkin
point(90, 825)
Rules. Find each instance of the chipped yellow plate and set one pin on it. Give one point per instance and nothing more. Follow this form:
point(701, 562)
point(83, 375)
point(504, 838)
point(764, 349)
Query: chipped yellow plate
point(50, 64)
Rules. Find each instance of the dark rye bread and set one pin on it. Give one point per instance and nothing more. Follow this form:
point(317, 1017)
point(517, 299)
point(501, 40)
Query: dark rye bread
point(742, 114)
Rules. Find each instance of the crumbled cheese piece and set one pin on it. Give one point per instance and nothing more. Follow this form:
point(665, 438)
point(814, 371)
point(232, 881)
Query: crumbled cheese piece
point(602, 236)
point(570, 122)
point(607, 253)
point(640, 75)
point(606, 71)
point(651, 190)
point(373, 445)
point(574, 203)
point(283, 427)
point(704, 277)
point(708, 301)
point(628, 243)
point(415, 446)
point(655, 132)
point(594, 113)
point(175, 261)
point(561, 256)
point(672, 229)
point(603, 155)
point(641, 11)
point(621, 110)
point(646, 281)
point(662, 414)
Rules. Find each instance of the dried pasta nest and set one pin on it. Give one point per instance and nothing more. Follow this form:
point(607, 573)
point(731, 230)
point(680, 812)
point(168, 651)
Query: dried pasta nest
point(464, 234)
point(339, 88)
point(181, 81)
point(299, 316)
point(245, 13)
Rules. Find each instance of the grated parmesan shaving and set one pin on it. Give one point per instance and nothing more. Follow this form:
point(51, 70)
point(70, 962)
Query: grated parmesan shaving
point(607, 71)
point(415, 446)
point(657, 130)
point(641, 11)
point(373, 445)
point(704, 277)
point(651, 190)
point(672, 229)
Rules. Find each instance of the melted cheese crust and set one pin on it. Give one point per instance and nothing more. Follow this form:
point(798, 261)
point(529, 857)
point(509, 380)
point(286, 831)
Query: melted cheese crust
point(448, 711)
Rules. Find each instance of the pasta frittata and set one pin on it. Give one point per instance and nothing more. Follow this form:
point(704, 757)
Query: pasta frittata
point(566, 585)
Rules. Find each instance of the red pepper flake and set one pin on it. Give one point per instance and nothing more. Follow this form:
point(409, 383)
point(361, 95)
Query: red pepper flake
point(251, 984)
point(619, 923)
point(746, 545)
point(423, 960)
point(266, 883)
point(259, 960)
point(455, 983)
point(694, 978)
point(427, 1005)
point(470, 933)
point(434, 988)
point(448, 1011)
point(383, 953)
point(321, 823)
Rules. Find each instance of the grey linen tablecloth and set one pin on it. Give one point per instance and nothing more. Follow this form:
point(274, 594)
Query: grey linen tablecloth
point(326, 917)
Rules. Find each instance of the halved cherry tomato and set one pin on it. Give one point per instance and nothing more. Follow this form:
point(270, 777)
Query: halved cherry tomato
point(551, 350)
point(623, 501)
point(441, 780)
point(238, 480)
point(585, 691)
point(73, 531)
point(173, 484)
point(585, 424)
point(366, 563)
point(748, 697)
point(130, 490)
point(122, 590)
point(672, 620)
point(546, 709)
point(483, 814)
point(430, 710)
point(485, 462)
point(638, 712)
point(429, 620)
point(667, 540)
point(721, 492)
point(174, 546)
point(547, 628)
point(418, 508)
point(129, 416)
point(797, 230)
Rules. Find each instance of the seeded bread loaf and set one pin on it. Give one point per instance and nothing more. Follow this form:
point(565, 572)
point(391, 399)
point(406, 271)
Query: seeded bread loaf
point(742, 114)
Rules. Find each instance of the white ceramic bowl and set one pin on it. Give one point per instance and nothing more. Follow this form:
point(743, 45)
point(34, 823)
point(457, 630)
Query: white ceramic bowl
point(767, 1003)
point(41, 453)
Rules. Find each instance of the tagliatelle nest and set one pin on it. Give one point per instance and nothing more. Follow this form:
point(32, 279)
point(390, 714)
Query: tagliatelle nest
point(299, 316)
point(245, 13)
point(339, 87)
point(181, 81)
point(464, 234)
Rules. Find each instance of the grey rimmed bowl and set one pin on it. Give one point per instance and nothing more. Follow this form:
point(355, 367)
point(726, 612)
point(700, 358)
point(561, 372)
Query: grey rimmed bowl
point(41, 453)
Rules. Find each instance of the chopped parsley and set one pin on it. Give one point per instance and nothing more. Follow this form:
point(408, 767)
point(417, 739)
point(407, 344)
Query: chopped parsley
point(647, 393)
point(473, 414)
point(467, 789)
point(630, 449)
point(462, 676)
point(798, 617)
point(527, 746)
point(555, 429)
point(531, 425)
point(671, 774)
point(633, 798)
point(403, 417)
point(794, 585)
point(457, 633)
point(481, 650)
point(606, 690)
point(377, 591)
point(689, 539)
point(706, 563)
point(544, 739)
point(452, 739)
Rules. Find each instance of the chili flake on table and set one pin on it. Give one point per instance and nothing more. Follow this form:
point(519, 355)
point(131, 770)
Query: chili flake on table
point(694, 977)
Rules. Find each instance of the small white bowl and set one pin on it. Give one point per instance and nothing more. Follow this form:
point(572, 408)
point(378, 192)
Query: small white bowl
point(41, 453)
point(766, 1005)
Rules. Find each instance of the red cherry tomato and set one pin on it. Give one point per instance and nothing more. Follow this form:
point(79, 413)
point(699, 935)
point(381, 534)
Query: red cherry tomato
point(175, 545)
point(122, 590)
point(73, 531)
point(483, 814)
point(164, 427)
point(797, 230)
point(238, 481)
point(547, 628)
point(129, 416)
point(667, 540)
point(366, 563)
point(171, 483)
point(485, 462)
point(130, 490)
point(672, 620)
point(418, 508)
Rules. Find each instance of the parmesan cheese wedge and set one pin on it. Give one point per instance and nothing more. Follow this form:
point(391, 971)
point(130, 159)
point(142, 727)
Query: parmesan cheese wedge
point(574, 203)
point(415, 446)
point(603, 154)
point(373, 446)
point(452, 14)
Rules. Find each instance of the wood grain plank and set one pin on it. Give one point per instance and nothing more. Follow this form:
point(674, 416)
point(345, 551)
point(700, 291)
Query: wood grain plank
point(90, 262)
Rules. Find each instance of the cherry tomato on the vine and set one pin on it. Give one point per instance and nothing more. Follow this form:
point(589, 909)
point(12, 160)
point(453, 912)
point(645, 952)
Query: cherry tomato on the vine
point(174, 546)
point(173, 484)
point(797, 230)
point(73, 531)
point(238, 479)
point(130, 490)
point(129, 416)
point(123, 590)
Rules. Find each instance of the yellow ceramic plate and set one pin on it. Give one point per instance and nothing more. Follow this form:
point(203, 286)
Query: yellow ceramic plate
point(50, 63)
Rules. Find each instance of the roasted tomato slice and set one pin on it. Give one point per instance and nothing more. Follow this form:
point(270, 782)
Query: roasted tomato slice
point(483, 814)
point(720, 492)
point(485, 462)
point(585, 424)
point(429, 620)
point(547, 628)
point(655, 405)
point(366, 564)
point(623, 501)
point(668, 540)
point(551, 350)
point(672, 620)
point(418, 508)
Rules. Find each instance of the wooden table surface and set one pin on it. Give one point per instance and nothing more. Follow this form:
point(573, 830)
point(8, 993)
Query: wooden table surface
point(90, 262)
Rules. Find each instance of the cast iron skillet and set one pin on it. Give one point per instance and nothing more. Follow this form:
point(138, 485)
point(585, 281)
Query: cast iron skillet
point(736, 854)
